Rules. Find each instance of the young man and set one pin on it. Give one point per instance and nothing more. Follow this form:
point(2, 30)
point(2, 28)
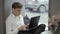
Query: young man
point(15, 22)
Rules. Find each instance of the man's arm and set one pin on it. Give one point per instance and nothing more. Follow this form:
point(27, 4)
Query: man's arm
point(9, 28)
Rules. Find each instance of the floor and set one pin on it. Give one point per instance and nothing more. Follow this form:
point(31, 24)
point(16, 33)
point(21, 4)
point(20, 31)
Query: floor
point(46, 32)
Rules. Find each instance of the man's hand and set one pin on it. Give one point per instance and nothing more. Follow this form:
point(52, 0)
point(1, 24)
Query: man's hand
point(22, 27)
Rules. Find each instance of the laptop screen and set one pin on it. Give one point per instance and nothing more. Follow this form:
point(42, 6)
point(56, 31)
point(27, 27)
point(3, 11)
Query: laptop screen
point(34, 22)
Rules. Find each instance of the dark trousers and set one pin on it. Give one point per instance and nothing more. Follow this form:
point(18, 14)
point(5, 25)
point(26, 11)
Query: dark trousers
point(36, 30)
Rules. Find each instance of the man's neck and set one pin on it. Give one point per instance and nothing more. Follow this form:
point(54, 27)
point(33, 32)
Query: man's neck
point(15, 15)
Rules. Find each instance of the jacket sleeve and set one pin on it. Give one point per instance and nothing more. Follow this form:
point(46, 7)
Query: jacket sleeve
point(22, 21)
point(9, 28)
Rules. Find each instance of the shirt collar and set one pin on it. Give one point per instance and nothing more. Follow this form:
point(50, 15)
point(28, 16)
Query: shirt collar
point(15, 16)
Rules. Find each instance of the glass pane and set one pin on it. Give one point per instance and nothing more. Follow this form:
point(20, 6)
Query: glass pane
point(38, 8)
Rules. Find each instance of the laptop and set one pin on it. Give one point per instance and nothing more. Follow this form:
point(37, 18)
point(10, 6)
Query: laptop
point(34, 22)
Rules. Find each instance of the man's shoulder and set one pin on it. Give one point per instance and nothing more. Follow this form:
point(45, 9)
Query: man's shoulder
point(9, 17)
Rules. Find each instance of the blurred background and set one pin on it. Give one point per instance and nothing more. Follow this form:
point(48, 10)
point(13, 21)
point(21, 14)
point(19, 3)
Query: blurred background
point(31, 8)
point(38, 8)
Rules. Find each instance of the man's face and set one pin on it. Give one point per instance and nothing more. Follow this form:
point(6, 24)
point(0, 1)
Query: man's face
point(17, 11)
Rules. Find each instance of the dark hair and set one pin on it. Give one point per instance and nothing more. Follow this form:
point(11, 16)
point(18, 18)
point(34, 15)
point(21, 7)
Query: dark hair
point(16, 5)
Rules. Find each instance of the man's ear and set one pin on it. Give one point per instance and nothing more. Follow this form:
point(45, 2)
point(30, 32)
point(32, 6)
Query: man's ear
point(12, 8)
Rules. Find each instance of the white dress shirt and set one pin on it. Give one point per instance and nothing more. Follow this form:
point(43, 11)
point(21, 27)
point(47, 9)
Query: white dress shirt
point(12, 24)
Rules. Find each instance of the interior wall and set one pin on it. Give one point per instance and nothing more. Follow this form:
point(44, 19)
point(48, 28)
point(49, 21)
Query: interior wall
point(54, 7)
point(1, 17)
